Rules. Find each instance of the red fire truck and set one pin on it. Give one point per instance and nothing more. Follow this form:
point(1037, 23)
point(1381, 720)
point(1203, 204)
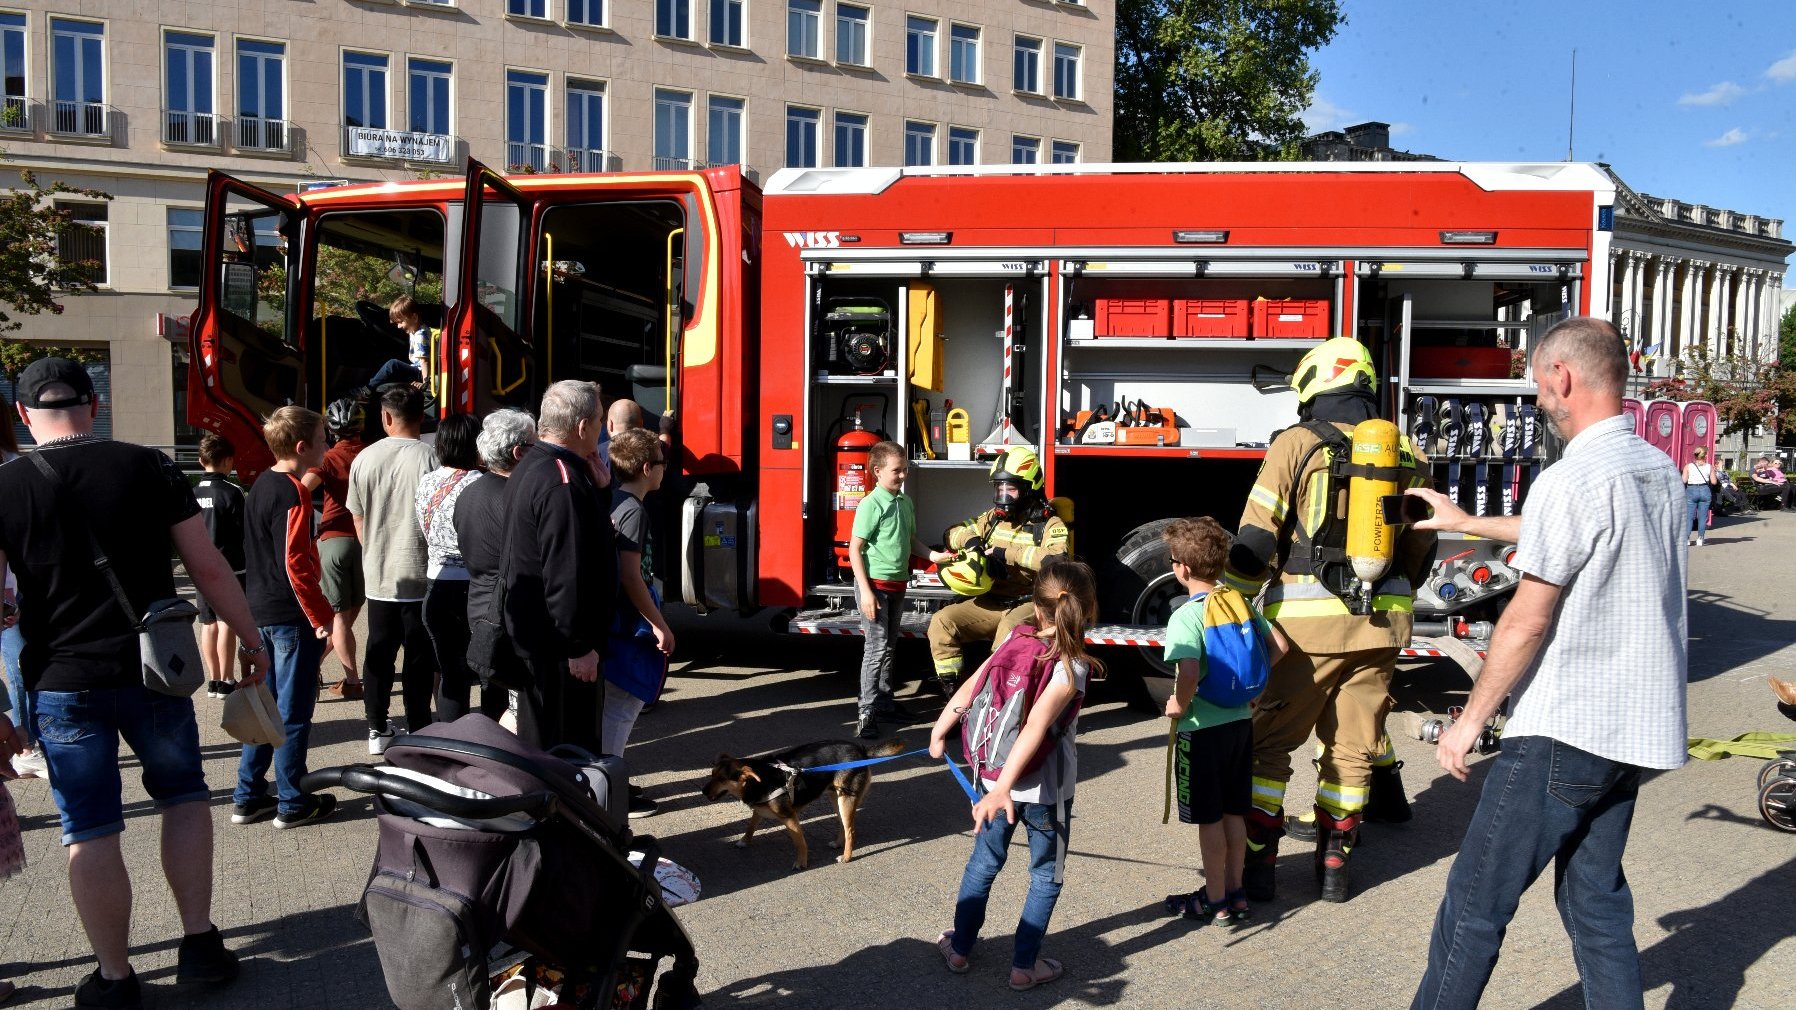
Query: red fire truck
point(1135, 323)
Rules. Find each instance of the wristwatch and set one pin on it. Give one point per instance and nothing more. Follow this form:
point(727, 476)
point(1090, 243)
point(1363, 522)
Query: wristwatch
point(244, 650)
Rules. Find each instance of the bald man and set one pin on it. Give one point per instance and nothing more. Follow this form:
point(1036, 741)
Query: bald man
point(624, 414)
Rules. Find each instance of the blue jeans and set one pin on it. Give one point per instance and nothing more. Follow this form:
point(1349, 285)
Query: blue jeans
point(1545, 802)
point(293, 657)
point(11, 645)
point(1697, 497)
point(1047, 835)
point(79, 731)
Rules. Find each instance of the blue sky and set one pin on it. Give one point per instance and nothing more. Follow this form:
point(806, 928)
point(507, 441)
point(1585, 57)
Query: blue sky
point(1685, 100)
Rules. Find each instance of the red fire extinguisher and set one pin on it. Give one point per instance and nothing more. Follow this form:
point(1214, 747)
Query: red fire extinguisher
point(854, 478)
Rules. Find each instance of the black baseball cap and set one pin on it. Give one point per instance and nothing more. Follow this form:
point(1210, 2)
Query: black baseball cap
point(52, 372)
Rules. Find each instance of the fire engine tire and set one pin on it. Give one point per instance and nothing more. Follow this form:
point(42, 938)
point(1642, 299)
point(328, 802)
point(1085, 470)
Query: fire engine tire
point(1781, 768)
point(1777, 803)
point(1138, 588)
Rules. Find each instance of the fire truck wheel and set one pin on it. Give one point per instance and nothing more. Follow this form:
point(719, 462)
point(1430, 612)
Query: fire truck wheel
point(1138, 588)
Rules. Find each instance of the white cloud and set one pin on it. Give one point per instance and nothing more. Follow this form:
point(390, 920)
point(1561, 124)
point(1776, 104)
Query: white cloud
point(1720, 94)
point(1728, 139)
point(1399, 129)
point(1784, 70)
point(1324, 115)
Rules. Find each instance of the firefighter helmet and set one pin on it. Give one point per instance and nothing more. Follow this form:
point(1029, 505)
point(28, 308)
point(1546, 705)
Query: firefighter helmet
point(967, 574)
point(1335, 365)
point(1020, 465)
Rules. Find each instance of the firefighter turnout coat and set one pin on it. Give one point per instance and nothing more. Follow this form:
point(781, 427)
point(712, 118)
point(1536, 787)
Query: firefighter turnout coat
point(1021, 550)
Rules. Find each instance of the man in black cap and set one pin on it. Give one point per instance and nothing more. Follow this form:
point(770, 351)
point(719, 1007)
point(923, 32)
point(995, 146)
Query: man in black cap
point(83, 674)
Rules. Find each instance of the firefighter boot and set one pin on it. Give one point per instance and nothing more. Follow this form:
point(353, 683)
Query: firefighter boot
point(1335, 840)
point(1387, 803)
point(1258, 876)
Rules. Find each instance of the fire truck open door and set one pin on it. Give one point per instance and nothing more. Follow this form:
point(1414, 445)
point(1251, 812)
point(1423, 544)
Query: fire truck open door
point(247, 354)
point(487, 352)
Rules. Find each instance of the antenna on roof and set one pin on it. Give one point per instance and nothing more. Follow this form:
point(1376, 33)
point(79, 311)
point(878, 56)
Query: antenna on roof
point(1571, 120)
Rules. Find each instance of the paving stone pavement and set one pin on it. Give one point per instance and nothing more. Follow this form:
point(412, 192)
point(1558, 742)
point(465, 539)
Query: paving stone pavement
point(1715, 888)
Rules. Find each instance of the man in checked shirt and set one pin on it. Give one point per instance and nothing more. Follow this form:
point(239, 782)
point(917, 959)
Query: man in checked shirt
point(1592, 647)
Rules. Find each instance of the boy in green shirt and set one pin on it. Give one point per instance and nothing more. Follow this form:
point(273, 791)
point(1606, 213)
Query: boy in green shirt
point(1214, 751)
point(879, 551)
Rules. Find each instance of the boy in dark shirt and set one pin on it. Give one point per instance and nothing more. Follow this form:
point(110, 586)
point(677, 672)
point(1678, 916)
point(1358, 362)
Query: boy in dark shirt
point(221, 505)
point(293, 616)
point(636, 661)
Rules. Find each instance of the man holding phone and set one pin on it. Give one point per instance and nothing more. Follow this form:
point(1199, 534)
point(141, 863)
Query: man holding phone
point(1600, 549)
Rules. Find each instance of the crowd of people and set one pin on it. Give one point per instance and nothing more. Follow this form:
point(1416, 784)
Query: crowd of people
point(513, 555)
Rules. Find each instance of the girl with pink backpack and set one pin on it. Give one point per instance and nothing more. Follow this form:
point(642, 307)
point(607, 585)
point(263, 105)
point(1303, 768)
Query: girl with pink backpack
point(1019, 723)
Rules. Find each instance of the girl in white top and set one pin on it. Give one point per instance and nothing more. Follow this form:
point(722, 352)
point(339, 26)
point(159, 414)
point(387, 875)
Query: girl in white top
point(1698, 475)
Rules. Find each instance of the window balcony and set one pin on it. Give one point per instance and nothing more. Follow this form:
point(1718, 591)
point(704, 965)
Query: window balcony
point(585, 159)
point(264, 136)
point(80, 119)
point(524, 159)
point(189, 129)
point(15, 114)
point(398, 145)
point(666, 164)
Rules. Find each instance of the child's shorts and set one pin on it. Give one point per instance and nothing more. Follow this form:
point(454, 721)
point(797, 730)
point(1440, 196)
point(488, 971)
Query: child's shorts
point(1214, 772)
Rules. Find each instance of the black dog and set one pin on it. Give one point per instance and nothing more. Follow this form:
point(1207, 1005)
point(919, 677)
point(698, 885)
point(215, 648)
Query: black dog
point(777, 787)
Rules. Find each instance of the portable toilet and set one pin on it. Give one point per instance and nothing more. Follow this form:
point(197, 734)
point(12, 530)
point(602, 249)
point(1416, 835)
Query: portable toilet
point(1699, 430)
point(1665, 428)
point(1635, 412)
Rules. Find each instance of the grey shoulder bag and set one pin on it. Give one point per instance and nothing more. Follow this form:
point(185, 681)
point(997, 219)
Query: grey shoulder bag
point(165, 644)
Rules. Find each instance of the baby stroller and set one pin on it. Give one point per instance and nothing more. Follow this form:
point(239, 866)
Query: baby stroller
point(1777, 779)
point(497, 859)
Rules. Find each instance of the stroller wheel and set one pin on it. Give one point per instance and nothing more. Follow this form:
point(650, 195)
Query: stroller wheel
point(1778, 768)
point(1777, 802)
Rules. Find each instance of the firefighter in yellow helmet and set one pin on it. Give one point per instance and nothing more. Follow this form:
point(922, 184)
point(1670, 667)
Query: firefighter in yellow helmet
point(1001, 550)
point(1336, 679)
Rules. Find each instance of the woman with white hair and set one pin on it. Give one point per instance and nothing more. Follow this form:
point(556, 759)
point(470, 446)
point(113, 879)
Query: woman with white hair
point(479, 520)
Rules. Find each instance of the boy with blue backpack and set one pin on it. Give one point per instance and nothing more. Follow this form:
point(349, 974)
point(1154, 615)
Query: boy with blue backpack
point(1224, 651)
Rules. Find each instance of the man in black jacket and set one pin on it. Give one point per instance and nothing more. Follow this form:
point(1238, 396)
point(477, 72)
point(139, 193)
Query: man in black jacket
point(562, 578)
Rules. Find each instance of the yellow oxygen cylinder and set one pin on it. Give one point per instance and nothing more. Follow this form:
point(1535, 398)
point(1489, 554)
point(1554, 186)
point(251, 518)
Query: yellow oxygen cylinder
point(1371, 542)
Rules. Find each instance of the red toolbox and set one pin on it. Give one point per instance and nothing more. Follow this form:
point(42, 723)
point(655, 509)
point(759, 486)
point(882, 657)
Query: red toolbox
point(1290, 318)
point(1459, 363)
point(1134, 317)
point(1210, 317)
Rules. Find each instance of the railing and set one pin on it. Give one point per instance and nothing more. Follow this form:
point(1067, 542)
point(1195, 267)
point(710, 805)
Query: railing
point(80, 119)
point(189, 129)
point(256, 133)
point(15, 113)
point(663, 164)
point(585, 159)
point(520, 157)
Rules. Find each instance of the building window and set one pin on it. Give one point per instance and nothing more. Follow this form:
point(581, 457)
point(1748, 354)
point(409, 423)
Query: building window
point(723, 130)
point(78, 78)
point(919, 143)
point(1026, 76)
point(1025, 150)
point(586, 12)
point(673, 19)
point(963, 54)
point(804, 19)
point(261, 95)
point(527, 120)
point(726, 23)
point(586, 125)
point(963, 146)
point(919, 46)
point(81, 241)
point(15, 111)
point(1066, 71)
point(1065, 152)
point(365, 90)
point(528, 8)
point(851, 34)
point(673, 129)
point(185, 230)
point(430, 96)
point(801, 136)
point(851, 140)
point(187, 93)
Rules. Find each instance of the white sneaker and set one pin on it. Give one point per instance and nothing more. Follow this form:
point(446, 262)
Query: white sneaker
point(31, 765)
point(378, 741)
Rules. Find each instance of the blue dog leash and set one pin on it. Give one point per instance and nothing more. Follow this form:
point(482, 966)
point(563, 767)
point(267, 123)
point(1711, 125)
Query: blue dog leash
point(959, 776)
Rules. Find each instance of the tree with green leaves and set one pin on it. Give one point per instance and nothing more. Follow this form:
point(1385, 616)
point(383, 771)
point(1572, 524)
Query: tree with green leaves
point(34, 276)
point(1216, 80)
point(1786, 340)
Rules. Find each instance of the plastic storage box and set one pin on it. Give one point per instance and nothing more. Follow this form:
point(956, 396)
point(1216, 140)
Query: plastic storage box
point(1290, 318)
point(1134, 317)
point(1210, 317)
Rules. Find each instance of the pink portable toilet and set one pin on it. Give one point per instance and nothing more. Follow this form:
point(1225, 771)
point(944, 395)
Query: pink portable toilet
point(1635, 412)
point(1665, 428)
point(1699, 430)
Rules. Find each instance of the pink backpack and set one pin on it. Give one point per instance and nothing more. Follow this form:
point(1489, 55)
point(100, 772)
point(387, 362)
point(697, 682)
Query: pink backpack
point(1008, 685)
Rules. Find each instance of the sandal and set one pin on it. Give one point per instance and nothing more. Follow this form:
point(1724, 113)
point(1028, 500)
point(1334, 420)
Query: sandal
point(1240, 913)
point(1055, 970)
point(957, 963)
point(1198, 906)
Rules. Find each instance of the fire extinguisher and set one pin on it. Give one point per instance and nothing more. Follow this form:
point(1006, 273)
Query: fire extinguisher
point(854, 478)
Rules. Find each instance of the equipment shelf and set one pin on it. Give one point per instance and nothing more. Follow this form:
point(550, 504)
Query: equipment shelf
point(825, 379)
point(1466, 324)
point(1471, 387)
point(951, 464)
point(1162, 451)
point(1186, 343)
